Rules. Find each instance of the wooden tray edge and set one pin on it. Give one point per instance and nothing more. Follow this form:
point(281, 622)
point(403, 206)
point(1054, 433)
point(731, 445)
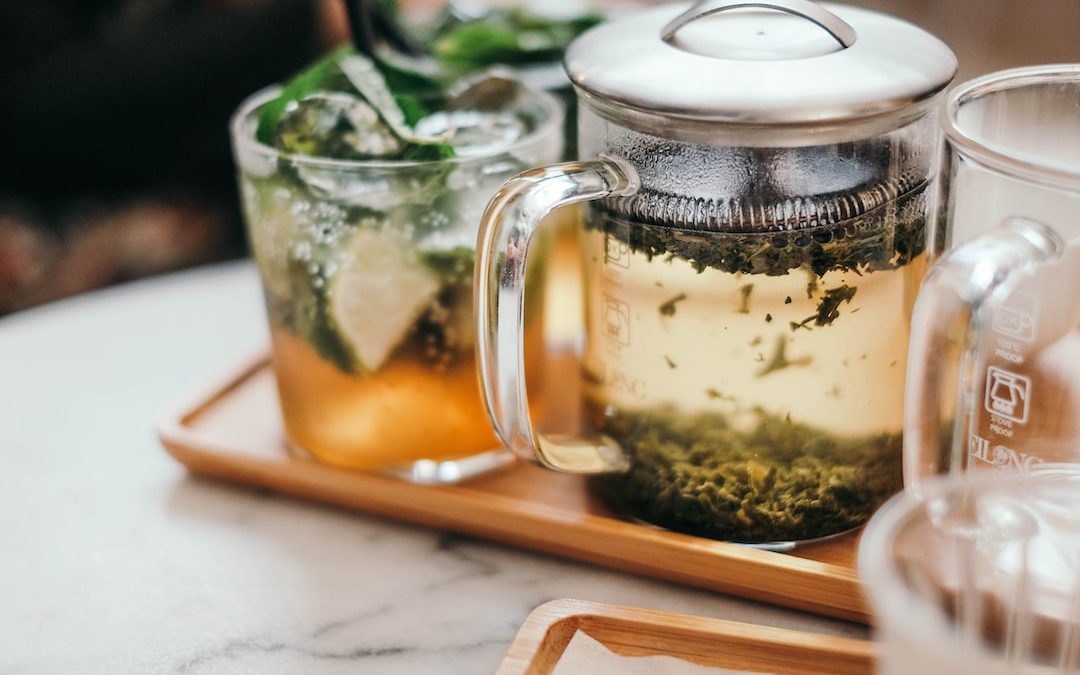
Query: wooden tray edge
point(548, 629)
point(200, 455)
point(172, 425)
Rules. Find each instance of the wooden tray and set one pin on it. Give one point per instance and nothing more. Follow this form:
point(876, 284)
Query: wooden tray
point(629, 631)
point(234, 432)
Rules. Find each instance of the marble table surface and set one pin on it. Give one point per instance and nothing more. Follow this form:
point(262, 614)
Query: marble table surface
point(113, 559)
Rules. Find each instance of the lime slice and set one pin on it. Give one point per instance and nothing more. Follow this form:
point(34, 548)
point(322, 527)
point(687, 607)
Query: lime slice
point(376, 294)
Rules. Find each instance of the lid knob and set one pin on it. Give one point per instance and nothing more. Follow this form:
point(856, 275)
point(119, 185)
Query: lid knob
point(754, 37)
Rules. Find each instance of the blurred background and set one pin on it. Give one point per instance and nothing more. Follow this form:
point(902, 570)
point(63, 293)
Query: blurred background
point(116, 160)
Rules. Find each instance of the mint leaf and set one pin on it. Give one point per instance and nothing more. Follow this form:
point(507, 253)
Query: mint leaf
point(512, 36)
point(323, 75)
point(411, 107)
point(472, 44)
point(366, 78)
point(407, 79)
point(427, 152)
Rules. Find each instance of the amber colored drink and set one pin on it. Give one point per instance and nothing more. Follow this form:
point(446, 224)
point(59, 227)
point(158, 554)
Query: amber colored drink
point(421, 401)
point(410, 409)
point(364, 234)
point(405, 412)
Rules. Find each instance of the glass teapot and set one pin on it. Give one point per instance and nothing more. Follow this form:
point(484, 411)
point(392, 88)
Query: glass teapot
point(994, 379)
point(754, 236)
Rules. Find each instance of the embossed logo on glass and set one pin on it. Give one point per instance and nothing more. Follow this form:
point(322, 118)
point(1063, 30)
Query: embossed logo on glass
point(1017, 316)
point(616, 320)
point(1007, 394)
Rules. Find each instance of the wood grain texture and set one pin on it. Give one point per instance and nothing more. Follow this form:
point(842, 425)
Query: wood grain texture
point(234, 432)
point(710, 642)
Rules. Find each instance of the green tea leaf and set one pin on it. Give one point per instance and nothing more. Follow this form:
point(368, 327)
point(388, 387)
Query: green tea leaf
point(744, 299)
point(668, 308)
point(779, 359)
point(828, 308)
point(774, 480)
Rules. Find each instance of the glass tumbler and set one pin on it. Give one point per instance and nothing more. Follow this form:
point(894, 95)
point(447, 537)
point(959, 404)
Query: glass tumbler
point(978, 573)
point(994, 362)
point(367, 271)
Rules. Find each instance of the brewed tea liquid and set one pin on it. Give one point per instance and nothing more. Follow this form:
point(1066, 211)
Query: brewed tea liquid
point(756, 380)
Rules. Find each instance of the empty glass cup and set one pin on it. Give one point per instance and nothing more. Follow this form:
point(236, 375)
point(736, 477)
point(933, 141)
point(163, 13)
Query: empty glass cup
point(994, 361)
point(978, 574)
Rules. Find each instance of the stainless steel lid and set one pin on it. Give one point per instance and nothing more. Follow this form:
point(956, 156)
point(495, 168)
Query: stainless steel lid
point(760, 62)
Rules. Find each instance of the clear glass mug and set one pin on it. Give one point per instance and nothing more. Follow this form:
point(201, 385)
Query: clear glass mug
point(978, 573)
point(994, 364)
point(366, 269)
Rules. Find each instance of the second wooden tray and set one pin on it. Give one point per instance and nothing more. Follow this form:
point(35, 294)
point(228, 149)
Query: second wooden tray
point(630, 631)
point(234, 432)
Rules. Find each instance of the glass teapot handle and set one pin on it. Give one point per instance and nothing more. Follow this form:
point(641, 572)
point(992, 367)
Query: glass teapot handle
point(957, 300)
point(506, 229)
point(841, 30)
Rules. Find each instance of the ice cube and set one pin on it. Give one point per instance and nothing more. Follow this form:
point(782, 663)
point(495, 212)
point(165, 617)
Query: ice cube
point(335, 125)
point(363, 188)
point(474, 132)
point(443, 241)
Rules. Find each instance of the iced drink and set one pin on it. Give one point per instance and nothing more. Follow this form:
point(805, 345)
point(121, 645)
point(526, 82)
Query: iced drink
point(362, 196)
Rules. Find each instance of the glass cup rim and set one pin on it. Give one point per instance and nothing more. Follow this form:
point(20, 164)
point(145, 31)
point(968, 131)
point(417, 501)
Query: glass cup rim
point(245, 142)
point(999, 159)
point(878, 569)
point(875, 564)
